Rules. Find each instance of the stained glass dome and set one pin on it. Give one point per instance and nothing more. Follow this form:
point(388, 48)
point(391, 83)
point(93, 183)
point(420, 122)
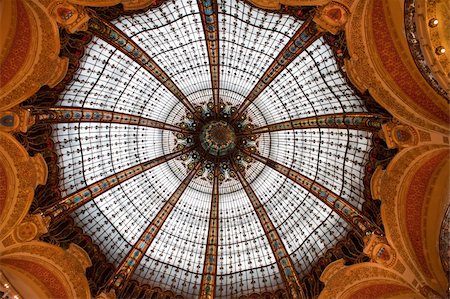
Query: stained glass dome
point(220, 143)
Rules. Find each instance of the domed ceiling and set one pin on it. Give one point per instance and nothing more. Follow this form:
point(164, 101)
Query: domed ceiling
point(212, 147)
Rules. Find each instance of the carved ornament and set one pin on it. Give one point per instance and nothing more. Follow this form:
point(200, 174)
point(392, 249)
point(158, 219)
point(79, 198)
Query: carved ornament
point(393, 196)
point(276, 4)
point(31, 228)
point(398, 135)
point(367, 72)
point(30, 58)
point(71, 17)
point(20, 177)
point(377, 248)
point(332, 17)
point(15, 120)
point(127, 4)
point(343, 281)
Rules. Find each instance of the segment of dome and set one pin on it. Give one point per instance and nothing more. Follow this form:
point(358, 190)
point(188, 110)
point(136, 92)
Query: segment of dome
point(212, 148)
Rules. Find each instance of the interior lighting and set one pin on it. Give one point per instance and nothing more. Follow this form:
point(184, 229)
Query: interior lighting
point(440, 50)
point(433, 22)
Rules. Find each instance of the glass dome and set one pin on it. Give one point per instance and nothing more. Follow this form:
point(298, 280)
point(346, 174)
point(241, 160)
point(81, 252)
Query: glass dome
point(249, 41)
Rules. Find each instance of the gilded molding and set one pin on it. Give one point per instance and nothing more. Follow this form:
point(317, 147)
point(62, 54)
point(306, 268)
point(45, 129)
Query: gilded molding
point(31, 228)
point(23, 174)
point(276, 4)
point(80, 254)
point(424, 38)
point(26, 172)
point(343, 281)
point(398, 135)
point(61, 263)
point(127, 4)
point(332, 17)
point(15, 119)
point(379, 251)
point(71, 17)
point(395, 184)
point(41, 65)
point(363, 72)
point(107, 295)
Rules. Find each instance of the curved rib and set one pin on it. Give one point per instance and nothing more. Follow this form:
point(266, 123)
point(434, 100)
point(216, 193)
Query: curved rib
point(70, 203)
point(342, 207)
point(355, 120)
point(209, 276)
point(208, 10)
point(301, 40)
point(135, 255)
point(119, 40)
point(284, 261)
point(71, 114)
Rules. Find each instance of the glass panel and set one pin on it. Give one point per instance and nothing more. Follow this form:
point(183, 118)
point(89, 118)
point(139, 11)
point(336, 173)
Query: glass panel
point(249, 41)
point(311, 85)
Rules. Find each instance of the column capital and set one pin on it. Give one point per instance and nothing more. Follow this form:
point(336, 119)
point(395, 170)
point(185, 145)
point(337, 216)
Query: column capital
point(15, 119)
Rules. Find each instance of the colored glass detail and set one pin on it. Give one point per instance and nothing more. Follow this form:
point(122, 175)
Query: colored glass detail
point(208, 10)
point(118, 39)
point(304, 36)
point(132, 260)
point(69, 203)
point(342, 207)
point(208, 284)
point(359, 121)
point(218, 138)
point(284, 262)
point(68, 114)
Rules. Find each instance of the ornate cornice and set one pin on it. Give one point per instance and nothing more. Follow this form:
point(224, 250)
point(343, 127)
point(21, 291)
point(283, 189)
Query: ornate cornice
point(61, 271)
point(396, 181)
point(32, 59)
point(368, 71)
point(19, 177)
point(437, 77)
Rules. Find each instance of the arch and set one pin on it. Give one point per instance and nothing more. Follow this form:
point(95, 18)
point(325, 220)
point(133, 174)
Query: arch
point(365, 280)
point(29, 57)
point(414, 197)
point(381, 63)
point(40, 270)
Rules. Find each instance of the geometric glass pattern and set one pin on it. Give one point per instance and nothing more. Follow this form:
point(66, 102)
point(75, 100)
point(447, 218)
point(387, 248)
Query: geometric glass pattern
point(249, 40)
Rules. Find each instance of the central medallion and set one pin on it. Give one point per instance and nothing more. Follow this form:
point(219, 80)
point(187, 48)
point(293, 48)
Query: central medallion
point(218, 138)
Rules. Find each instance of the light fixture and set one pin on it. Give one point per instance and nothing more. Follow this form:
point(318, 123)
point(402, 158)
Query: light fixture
point(433, 22)
point(440, 50)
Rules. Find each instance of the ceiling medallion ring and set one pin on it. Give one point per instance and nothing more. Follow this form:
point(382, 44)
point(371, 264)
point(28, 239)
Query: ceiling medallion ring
point(217, 138)
point(217, 141)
